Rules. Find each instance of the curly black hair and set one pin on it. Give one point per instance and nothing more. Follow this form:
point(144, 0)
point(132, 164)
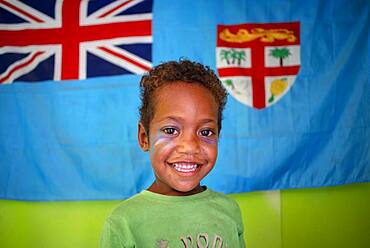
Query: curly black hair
point(185, 71)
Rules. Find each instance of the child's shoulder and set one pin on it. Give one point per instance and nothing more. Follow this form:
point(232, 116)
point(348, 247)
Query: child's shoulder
point(223, 199)
point(129, 206)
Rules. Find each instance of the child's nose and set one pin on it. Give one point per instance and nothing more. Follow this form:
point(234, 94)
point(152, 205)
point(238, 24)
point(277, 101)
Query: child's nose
point(188, 144)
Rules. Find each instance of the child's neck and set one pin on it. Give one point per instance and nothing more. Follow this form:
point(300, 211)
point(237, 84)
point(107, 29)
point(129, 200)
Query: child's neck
point(156, 188)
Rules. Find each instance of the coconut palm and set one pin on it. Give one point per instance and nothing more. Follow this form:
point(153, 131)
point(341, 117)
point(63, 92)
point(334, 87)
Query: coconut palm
point(280, 53)
point(237, 56)
point(240, 55)
point(233, 55)
point(225, 55)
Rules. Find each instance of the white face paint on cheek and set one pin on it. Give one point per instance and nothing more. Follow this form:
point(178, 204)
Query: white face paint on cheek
point(161, 143)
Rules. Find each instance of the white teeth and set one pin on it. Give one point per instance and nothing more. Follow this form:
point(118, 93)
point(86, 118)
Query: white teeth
point(184, 167)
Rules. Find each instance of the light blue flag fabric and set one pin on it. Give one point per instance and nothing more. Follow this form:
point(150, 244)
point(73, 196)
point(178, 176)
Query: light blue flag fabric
point(76, 140)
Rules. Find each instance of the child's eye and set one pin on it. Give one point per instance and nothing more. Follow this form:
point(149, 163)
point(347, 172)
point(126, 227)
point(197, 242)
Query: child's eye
point(206, 132)
point(170, 131)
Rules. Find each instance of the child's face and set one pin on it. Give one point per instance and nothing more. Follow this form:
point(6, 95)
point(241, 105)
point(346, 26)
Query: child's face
point(183, 138)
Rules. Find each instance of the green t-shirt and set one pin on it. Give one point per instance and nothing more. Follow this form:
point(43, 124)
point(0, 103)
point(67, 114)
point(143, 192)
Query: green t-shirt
point(147, 220)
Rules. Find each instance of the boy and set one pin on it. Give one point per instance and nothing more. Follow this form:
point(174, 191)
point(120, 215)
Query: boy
point(180, 122)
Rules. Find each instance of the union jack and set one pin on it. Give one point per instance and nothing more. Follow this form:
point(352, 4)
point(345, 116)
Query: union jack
point(71, 39)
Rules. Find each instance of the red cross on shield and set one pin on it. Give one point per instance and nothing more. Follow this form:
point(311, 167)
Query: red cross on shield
point(258, 63)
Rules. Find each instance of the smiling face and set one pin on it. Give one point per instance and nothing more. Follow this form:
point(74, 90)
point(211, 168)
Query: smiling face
point(183, 138)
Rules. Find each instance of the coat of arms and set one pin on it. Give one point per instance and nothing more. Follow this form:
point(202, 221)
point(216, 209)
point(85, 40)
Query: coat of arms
point(258, 63)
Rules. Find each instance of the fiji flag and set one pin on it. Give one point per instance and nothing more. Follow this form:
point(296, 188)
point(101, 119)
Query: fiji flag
point(58, 40)
point(297, 74)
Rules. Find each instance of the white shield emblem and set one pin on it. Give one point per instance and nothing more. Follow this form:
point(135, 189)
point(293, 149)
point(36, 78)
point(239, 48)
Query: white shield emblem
point(258, 63)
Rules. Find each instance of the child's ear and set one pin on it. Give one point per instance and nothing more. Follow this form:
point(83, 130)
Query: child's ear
point(143, 137)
